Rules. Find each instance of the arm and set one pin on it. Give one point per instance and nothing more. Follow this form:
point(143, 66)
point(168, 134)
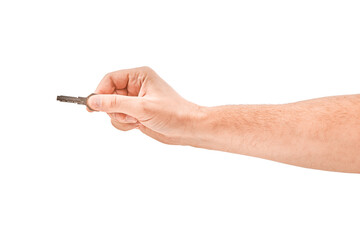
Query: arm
point(321, 133)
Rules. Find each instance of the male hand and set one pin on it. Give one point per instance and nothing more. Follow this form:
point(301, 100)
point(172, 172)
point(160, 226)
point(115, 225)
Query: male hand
point(139, 98)
point(319, 133)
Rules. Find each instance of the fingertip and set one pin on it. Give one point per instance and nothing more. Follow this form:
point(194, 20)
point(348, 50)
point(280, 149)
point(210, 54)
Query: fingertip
point(130, 119)
point(93, 102)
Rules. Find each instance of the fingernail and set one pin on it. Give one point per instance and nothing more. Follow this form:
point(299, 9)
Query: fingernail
point(94, 102)
point(130, 119)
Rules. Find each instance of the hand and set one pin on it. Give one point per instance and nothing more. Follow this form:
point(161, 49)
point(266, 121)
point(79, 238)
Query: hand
point(139, 98)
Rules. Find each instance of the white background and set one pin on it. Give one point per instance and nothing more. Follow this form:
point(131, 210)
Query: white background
point(68, 174)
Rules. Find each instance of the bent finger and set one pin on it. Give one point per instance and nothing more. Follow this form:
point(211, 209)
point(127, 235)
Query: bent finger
point(121, 117)
point(119, 79)
point(123, 126)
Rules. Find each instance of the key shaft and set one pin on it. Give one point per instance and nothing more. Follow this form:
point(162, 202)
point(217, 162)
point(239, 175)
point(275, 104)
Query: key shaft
point(77, 100)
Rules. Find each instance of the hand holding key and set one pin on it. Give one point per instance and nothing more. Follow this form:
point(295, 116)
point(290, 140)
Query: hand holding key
point(319, 133)
point(139, 98)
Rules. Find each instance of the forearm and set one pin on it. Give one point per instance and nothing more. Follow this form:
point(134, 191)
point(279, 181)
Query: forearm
point(320, 133)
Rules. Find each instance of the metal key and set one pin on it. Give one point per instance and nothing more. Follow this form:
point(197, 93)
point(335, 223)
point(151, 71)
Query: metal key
point(77, 100)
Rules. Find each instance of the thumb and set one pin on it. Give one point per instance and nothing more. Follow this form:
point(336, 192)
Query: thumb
point(110, 103)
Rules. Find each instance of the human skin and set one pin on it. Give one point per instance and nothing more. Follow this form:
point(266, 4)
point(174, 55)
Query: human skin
point(321, 133)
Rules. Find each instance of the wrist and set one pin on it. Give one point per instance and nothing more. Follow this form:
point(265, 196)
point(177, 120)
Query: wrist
point(215, 128)
point(198, 129)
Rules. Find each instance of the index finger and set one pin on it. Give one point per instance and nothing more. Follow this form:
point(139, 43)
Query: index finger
point(118, 80)
point(113, 81)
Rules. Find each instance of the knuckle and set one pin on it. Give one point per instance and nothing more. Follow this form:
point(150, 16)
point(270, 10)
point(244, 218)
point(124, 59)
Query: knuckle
point(145, 73)
point(145, 68)
point(145, 105)
point(141, 76)
point(107, 76)
point(113, 103)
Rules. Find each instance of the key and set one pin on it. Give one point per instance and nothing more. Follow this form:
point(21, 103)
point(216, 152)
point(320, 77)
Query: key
point(77, 100)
